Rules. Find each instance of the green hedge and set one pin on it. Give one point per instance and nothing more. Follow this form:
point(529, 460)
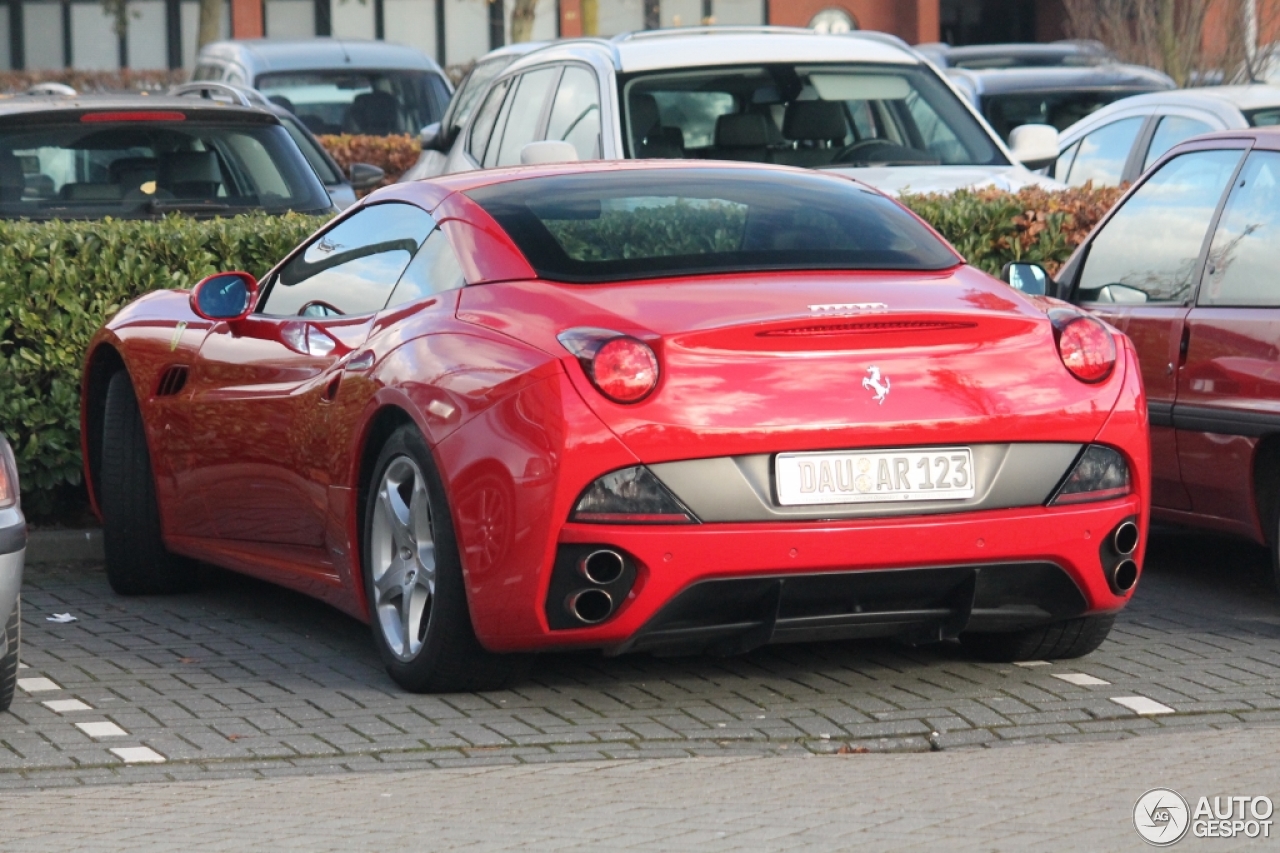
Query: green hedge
point(59, 281)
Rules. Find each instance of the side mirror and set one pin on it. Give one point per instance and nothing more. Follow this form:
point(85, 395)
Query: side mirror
point(1034, 145)
point(1031, 279)
point(228, 296)
point(547, 151)
point(432, 137)
point(365, 176)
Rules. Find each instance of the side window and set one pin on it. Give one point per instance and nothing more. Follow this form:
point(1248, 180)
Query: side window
point(352, 268)
point(435, 269)
point(1171, 131)
point(207, 71)
point(1149, 250)
point(1062, 168)
point(1245, 253)
point(499, 125)
point(482, 127)
point(1103, 153)
point(526, 112)
point(575, 115)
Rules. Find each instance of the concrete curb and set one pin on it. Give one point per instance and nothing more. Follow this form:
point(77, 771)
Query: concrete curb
point(63, 546)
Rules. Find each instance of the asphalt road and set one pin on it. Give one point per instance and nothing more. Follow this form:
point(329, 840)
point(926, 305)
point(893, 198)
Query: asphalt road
point(242, 679)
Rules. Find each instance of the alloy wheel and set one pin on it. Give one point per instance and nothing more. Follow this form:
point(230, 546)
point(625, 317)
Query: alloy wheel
point(402, 558)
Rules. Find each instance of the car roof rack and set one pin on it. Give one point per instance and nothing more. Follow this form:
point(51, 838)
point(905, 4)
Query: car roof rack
point(672, 32)
point(50, 87)
point(221, 93)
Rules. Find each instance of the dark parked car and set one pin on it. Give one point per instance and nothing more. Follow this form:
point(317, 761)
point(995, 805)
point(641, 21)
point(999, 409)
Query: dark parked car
point(1186, 266)
point(983, 57)
point(91, 156)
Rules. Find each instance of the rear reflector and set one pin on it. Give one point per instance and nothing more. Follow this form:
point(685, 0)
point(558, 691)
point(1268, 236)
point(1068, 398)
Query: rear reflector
point(630, 496)
point(1100, 474)
point(133, 115)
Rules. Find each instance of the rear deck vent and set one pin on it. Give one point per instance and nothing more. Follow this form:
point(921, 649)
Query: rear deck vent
point(172, 380)
point(870, 327)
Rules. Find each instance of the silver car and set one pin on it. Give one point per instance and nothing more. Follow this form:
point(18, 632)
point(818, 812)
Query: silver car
point(13, 548)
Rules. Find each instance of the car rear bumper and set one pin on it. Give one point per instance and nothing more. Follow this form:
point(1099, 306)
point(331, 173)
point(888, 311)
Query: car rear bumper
point(13, 544)
point(734, 586)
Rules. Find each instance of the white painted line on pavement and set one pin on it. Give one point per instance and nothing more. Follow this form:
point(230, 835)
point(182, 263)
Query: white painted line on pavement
point(23, 666)
point(35, 685)
point(1031, 663)
point(101, 729)
point(62, 706)
point(138, 755)
point(1142, 705)
point(1080, 679)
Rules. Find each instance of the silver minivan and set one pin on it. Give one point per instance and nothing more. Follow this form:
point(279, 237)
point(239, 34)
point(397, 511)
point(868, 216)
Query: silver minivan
point(335, 85)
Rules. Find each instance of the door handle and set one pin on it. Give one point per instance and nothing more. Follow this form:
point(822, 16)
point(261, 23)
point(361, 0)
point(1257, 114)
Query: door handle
point(1183, 345)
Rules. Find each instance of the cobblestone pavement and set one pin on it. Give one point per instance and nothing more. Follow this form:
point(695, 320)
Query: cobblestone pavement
point(1035, 798)
point(246, 680)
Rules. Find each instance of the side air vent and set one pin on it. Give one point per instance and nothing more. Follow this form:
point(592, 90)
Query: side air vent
point(173, 380)
point(866, 328)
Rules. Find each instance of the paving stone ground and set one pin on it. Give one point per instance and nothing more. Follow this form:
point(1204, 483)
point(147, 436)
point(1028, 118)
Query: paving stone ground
point(243, 680)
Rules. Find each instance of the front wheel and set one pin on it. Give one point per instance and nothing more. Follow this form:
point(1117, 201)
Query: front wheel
point(1072, 638)
point(413, 578)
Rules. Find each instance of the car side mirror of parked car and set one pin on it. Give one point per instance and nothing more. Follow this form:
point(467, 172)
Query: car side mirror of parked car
point(432, 137)
point(1031, 279)
point(365, 176)
point(225, 296)
point(1034, 145)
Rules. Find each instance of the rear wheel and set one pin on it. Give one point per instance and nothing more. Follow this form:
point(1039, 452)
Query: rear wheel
point(413, 579)
point(136, 559)
point(9, 663)
point(1072, 638)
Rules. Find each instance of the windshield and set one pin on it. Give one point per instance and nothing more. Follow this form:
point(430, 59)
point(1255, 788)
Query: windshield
point(811, 116)
point(370, 102)
point(1060, 109)
point(140, 168)
point(647, 223)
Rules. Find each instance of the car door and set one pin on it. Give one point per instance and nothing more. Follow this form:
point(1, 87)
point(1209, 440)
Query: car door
point(1138, 272)
point(1229, 387)
point(261, 405)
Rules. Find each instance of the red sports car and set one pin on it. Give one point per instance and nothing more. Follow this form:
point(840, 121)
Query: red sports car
point(677, 407)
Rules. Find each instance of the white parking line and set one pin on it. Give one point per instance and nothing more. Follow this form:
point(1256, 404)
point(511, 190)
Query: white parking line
point(1142, 705)
point(1031, 663)
point(138, 755)
point(62, 706)
point(101, 729)
point(23, 666)
point(36, 685)
point(1080, 679)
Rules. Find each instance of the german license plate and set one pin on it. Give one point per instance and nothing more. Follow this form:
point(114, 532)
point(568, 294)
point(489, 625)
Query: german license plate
point(845, 477)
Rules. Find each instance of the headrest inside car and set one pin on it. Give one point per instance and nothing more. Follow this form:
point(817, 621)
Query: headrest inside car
point(741, 130)
point(189, 167)
point(822, 120)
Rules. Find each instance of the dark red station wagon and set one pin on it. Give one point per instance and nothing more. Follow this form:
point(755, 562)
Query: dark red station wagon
point(1188, 266)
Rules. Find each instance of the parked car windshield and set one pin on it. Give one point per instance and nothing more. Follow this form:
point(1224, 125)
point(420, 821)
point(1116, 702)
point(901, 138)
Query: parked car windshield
point(644, 223)
point(371, 102)
point(1060, 109)
point(812, 116)
point(141, 168)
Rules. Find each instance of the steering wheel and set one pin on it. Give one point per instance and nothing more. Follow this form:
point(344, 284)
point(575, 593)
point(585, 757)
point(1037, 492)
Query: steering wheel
point(846, 154)
point(318, 308)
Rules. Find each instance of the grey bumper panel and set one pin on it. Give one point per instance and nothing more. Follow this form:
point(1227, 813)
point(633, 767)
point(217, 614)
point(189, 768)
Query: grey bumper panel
point(741, 488)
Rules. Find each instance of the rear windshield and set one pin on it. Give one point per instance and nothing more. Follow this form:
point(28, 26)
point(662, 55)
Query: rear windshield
point(367, 102)
point(629, 224)
point(141, 168)
point(1060, 109)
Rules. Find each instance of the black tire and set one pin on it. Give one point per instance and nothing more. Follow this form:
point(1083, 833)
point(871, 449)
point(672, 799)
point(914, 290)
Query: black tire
point(451, 659)
point(9, 663)
point(1070, 639)
point(136, 559)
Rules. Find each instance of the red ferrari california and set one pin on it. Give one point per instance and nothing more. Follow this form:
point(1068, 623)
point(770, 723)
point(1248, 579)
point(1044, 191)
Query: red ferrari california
point(675, 407)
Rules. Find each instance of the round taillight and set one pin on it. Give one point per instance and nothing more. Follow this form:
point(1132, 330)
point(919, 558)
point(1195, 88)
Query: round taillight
point(1087, 348)
point(625, 370)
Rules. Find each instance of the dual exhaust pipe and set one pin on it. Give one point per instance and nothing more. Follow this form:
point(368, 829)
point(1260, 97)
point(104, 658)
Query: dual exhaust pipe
point(593, 605)
point(1125, 572)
